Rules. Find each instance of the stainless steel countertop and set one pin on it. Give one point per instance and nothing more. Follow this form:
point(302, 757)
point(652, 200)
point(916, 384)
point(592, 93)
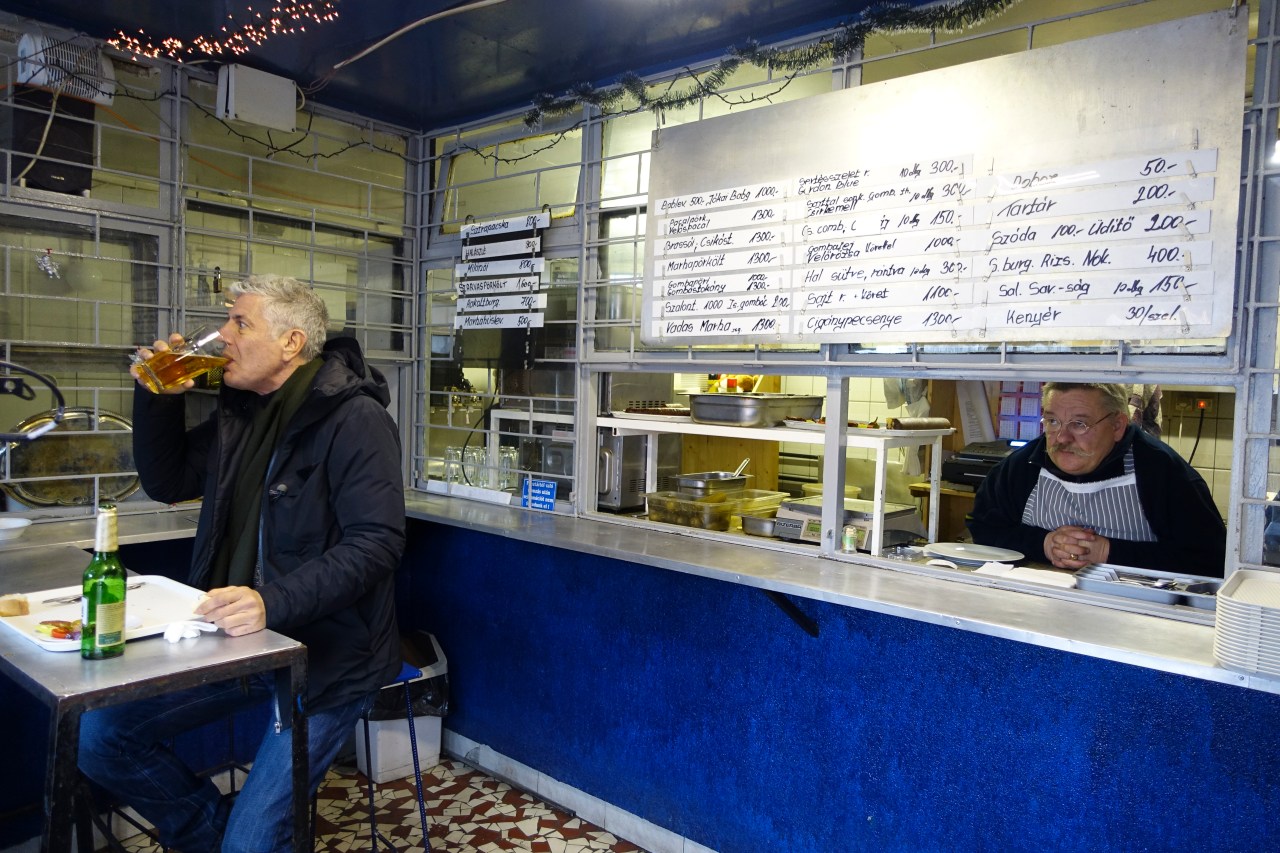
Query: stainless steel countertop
point(1044, 619)
point(177, 523)
point(1153, 642)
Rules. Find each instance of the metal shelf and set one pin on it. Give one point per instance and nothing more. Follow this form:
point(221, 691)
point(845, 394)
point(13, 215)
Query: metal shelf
point(879, 440)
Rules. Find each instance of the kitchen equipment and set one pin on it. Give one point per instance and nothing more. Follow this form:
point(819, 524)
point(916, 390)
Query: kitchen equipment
point(702, 512)
point(742, 466)
point(620, 391)
point(752, 410)
point(620, 471)
point(706, 482)
point(759, 524)
point(972, 463)
point(714, 511)
point(800, 519)
point(66, 460)
point(1150, 585)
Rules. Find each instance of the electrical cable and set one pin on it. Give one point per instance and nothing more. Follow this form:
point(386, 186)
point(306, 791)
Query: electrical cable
point(1199, 429)
point(465, 7)
point(44, 137)
point(17, 388)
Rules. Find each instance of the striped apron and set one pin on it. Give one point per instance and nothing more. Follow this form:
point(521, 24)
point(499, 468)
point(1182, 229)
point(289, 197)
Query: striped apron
point(1110, 508)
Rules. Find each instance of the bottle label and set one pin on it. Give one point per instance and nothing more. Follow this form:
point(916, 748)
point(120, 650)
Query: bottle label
point(109, 627)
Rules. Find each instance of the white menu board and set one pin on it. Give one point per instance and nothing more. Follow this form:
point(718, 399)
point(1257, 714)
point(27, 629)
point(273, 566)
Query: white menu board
point(1096, 199)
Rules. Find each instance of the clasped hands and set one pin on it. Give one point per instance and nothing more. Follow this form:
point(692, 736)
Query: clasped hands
point(1072, 547)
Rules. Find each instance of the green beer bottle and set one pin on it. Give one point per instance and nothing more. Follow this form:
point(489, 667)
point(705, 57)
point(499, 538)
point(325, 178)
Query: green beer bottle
point(102, 605)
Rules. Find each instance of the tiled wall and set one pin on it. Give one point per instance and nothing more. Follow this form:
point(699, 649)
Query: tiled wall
point(1181, 424)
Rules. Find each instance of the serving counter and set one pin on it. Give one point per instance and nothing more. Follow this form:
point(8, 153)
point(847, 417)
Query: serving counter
point(661, 684)
point(1070, 621)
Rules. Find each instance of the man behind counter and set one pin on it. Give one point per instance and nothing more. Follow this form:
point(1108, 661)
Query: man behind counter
point(1095, 489)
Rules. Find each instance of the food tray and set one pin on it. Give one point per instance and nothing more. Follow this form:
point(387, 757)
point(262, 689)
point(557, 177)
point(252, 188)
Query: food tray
point(151, 603)
point(706, 482)
point(716, 511)
point(751, 409)
point(1130, 582)
point(1247, 629)
point(756, 501)
point(676, 415)
point(690, 510)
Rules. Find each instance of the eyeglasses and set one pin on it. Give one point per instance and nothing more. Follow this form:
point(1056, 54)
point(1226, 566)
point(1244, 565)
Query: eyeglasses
point(1076, 428)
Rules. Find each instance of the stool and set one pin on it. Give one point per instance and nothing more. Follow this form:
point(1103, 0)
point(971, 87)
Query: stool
point(407, 674)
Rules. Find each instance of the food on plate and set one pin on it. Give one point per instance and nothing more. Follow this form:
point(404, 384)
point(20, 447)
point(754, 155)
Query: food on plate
point(60, 629)
point(14, 605)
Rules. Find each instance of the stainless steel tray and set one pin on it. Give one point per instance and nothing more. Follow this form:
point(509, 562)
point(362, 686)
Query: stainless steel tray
point(751, 409)
point(1150, 585)
point(706, 482)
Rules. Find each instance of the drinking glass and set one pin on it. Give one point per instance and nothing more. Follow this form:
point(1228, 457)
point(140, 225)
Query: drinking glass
point(508, 464)
point(199, 352)
point(453, 464)
point(473, 465)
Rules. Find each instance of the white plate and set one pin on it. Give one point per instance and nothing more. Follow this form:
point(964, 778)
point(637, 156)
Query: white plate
point(968, 554)
point(149, 609)
point(640, 416)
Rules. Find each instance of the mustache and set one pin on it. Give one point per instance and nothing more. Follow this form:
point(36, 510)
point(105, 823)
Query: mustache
point(1074, 451)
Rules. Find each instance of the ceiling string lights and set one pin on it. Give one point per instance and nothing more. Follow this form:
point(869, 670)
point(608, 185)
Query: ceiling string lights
point(234, 38)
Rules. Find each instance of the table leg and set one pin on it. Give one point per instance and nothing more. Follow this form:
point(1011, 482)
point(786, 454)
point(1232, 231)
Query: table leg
point(292, 682)
point(60, 782)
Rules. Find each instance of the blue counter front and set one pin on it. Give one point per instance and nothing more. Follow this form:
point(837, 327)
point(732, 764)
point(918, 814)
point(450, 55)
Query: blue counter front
point(700, 706)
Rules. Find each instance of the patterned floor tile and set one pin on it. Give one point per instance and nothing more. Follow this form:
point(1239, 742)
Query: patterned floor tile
point(468, 812)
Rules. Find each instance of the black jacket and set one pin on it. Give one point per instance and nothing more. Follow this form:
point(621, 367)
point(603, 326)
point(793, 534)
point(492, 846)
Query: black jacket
point(1190, 534)
point(332, 526)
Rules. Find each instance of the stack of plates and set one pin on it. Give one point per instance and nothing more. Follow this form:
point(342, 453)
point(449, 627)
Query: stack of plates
point(1246, 635)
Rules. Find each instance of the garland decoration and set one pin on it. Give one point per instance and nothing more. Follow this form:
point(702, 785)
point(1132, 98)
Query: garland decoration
point(847, 38)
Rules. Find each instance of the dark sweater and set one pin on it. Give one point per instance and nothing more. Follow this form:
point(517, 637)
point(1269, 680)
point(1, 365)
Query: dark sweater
point(1190, 534)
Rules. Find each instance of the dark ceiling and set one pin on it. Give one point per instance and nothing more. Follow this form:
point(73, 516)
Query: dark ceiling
point(483, 57)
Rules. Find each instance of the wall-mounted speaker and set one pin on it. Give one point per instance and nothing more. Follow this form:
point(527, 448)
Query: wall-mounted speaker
point(65, 149)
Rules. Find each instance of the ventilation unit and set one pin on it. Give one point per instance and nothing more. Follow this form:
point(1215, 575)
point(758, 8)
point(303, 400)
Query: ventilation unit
point(70, 66)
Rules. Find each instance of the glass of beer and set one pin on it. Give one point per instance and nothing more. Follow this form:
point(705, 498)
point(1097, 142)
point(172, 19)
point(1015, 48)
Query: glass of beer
point(200, 352)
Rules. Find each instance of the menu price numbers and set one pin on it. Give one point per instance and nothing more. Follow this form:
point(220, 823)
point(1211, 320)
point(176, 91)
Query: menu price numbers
point(1152, 313)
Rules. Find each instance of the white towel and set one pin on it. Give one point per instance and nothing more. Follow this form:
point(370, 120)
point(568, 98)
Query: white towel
point(1023, 573)
point(187, 630)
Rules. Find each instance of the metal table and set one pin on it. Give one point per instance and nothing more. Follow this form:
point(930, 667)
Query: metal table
point(70, 685)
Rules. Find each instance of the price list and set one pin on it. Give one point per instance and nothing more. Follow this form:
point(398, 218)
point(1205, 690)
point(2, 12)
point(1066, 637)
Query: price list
point(940, 250)
point(500, 275)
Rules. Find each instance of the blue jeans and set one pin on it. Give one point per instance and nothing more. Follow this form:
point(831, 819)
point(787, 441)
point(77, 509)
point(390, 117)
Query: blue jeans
point(124, 750)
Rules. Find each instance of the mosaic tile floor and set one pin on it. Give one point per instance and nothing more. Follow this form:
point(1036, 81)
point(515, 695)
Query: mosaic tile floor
point(469, 812)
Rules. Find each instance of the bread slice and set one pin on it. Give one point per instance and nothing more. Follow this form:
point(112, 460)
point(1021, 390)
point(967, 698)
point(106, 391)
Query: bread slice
point(14, 605)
